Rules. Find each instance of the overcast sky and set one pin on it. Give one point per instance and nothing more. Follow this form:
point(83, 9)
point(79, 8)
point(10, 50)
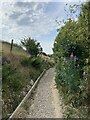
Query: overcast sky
point(32, 19)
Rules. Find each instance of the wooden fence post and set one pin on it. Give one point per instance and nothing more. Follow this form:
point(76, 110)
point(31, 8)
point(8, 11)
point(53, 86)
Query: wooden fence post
point(11, 45)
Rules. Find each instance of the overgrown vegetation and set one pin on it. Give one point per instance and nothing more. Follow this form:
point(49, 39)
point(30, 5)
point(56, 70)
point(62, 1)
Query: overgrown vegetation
point(72, 54)
point(32, 46)
point(19, 72)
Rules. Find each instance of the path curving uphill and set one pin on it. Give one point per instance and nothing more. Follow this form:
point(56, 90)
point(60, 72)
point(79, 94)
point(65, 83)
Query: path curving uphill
point(46, 102)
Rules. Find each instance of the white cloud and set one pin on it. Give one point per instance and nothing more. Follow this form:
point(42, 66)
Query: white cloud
point(27, 19)
point(43, 1)
point(18, 22)
point(47, 46)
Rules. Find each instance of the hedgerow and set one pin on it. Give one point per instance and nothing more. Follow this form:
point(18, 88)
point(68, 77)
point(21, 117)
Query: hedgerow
point(72, 51)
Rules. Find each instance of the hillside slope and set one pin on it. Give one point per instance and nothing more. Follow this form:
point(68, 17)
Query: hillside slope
point(19, 72)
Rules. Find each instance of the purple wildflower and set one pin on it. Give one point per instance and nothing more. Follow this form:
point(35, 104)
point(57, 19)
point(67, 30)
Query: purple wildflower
point(74, 58)
point(78, 65)
point(65, 60)
point(71, 56)
point(84, 73)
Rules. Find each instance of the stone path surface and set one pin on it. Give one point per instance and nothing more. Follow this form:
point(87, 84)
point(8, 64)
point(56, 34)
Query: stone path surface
point(46, 102)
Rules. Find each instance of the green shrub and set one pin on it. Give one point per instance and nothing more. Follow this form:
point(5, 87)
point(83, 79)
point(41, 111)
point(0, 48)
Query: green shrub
point(71, 51)
point(73, 87)
point(36, 62)
point(26, 62)
point(12, 85)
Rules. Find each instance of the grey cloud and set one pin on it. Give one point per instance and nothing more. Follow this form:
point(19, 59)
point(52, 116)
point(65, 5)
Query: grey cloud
point(30, 5)
point(33, 18)
point(24, 21)
point(15, 15)
point(28, 17)
point(40, 5)
point(29, 12)
point(24, 4)
point(27, 21)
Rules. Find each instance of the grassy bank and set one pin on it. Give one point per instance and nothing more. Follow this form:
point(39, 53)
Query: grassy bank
point(19, 72)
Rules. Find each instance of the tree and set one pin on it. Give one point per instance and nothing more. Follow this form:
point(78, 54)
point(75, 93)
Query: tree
point(32, 46)
point(72, 54)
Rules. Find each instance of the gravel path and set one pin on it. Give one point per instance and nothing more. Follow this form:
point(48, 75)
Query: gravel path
point(46, 103)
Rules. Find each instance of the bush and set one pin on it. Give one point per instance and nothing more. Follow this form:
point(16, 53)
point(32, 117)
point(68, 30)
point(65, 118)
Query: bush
point(12, 84)
point(73, 87)
point(36, 62)
point(11, 77)
point(32, 46)
point(26, 62)
point(71, 50)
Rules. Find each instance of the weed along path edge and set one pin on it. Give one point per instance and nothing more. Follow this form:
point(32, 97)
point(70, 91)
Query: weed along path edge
point(44, 102)
point(20, 111)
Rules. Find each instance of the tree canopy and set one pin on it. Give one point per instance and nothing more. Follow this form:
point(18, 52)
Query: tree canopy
point(72, 54)
point(32, 46)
